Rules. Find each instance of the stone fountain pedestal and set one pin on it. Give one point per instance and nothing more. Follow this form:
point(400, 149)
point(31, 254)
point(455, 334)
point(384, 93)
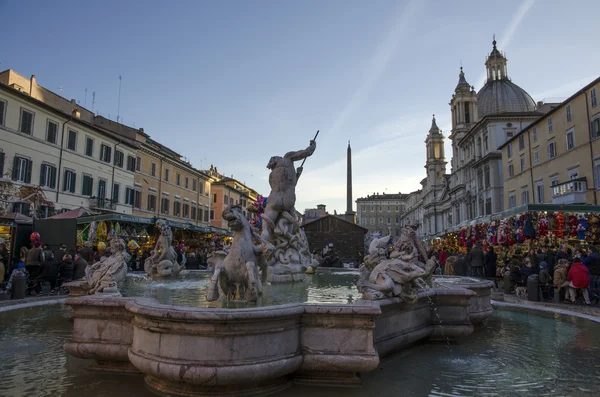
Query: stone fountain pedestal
point(281, 273)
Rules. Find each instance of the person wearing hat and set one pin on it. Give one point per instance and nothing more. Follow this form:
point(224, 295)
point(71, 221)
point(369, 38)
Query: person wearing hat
point(527, 270)
point(34, 259)
point(545, 281)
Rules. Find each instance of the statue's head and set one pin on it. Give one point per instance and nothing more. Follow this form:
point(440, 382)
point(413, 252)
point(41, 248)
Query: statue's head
point(274, 161)
point(117, 245)
point(162, 225)
point(235, 217)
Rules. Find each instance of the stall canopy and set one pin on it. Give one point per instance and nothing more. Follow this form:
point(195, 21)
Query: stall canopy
point(147, 221)
point(15, 218)
point(73, 214)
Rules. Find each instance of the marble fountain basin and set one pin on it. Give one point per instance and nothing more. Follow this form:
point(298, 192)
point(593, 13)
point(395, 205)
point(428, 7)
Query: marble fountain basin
point(189, 351)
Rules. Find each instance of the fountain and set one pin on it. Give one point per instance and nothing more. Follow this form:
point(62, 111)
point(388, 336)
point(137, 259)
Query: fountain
point(163, 261)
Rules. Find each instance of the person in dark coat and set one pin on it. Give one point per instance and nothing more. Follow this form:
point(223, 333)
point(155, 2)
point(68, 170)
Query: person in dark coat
point(527, 270)
point(192, 262)
point(460, 266)
point(34, 259)
point(475, 259)
point(546, 255)
point(490, 262)
point(564, 253)
point(592, 262)
point(79, 266)
point(86, 252)
point(546, 283)
point(66, 269)
point(48, 272)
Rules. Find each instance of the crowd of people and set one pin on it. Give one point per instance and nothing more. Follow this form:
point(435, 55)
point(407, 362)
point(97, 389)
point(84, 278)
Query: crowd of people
point(569, 274)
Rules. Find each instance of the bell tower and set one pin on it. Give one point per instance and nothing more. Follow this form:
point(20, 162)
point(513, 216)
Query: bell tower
point(463, 106)
point(436, 160)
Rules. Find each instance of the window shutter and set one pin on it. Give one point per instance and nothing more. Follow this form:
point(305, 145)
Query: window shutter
point(74, 179)
point(15, 169)
point(52, 177)
point(1, 162)
point(42, 169)
point(28, 173)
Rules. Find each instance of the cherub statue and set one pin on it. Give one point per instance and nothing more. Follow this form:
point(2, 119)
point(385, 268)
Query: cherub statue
point(104, 275)
point(163, 261)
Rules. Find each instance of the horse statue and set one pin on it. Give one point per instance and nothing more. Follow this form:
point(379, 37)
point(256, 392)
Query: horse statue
point(236, 276)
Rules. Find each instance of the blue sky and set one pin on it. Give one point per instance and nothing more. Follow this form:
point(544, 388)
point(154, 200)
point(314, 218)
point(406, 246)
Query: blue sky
point(232, 83)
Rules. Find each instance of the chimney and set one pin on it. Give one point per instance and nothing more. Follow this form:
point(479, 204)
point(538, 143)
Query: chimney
point(32, 82)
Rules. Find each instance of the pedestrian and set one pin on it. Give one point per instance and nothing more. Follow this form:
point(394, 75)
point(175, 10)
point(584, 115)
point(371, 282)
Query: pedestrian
point(579, 280)
point(79, 266)
point(192, 262)
point(563, 253)
point(34, 259)
point(48, 273)
point(476, 260)
point(545, 281)
point(593, 264)
point(65, 269)
point(86, 252)
point(443, 258)
point(560, 278)
point(527, 270)
point(461, 266)
point(546, 255)
point(535, 260)
point(449, 266)
point(490, 262)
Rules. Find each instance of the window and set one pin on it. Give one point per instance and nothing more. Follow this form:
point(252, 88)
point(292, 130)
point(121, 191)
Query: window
point(521, 142)
point(137, 199)
point(187, 182)
point(525, 197)
point(212, 214)
point(21, 169)
point(115, 192)
point(549, 125)
point(597, 175)
point(534, 134)
point(487, 176)
point(105, 153)
point(200, 215)
point(177, 208)
point(167, 174)
point(194, 185)
point(164, 206)
point(467, 114)
point(138, 164)
point(570, 139)
point(89, 146)
point(226, 201)
point(26, 124)
point(536, 157)
point(21, 208)
point(568, 110)
point(119, 156)
point(51, 130)
point(202, 188)
point(551, 150)
point(509, 134)
point(102, 189)
point(178, 179)
point(1, 165)
point(151, 202)
point(539, 192)
point(2, 112)
point(485, 143)
point(488, 206)
point(193, 212)
point(593, 97)
point(131, 163)
point(389, 220)
point(69, 183)
point(554, 181)
point(129, 196)
point(72, 140)
point(595, 128)
point(574, 173)
point(48, 176)
point(511, 171)
point(88, 184)
point(186, 210)
point(509, 150)
point(512, 200)
point(206, 215)
point(522, 164)
point(214, 198)
point(153, 169)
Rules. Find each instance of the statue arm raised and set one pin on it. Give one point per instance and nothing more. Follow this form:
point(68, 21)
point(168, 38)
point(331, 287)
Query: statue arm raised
point(302, 154)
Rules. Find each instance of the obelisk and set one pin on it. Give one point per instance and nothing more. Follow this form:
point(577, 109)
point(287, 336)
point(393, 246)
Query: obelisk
point(349, 215)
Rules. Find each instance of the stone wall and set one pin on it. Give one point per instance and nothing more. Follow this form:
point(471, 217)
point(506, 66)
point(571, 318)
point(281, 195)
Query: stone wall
point(347, 238)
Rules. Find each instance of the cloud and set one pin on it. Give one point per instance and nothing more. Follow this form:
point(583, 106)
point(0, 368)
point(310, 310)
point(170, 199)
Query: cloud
point(512, 27)
point(377, 64)
point(564, 91)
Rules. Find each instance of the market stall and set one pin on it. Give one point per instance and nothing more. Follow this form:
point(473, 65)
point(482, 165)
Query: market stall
point(15, 230)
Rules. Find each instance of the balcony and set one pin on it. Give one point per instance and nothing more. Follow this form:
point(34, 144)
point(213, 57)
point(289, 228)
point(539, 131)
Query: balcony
point(103, 204)
point(571, 192)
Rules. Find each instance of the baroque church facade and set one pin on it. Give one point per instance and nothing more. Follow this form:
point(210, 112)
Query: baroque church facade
point(481, 122)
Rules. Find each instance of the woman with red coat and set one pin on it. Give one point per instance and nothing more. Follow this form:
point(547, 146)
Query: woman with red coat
point(579, 279)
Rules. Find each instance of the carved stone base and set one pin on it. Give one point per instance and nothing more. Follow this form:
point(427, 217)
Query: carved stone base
point(281, 273)
point(168, 388)
point(77, 288)
point(321, 378)
point(116, 367)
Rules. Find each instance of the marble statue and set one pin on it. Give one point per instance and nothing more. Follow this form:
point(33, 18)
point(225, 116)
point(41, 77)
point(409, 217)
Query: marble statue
point(286, 246)
point(163, 261)
point(103, 276)
point(236, 275)
point(398, 273)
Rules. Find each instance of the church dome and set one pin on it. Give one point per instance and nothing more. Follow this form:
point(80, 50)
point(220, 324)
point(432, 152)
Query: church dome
point(500, 96)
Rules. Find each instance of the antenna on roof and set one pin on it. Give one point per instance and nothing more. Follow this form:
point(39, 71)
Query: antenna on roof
point(60, 88)
point(93, 100)
point(85, 99)
point(119, 102)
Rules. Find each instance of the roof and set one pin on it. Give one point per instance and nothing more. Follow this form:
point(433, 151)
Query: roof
point(462, 81)
point(501, 96)
point(334, 217)
point(511, 115)
point(17, 218)
point(544, 115)
point(383, 196)
point(73, 214)
point(26, 97)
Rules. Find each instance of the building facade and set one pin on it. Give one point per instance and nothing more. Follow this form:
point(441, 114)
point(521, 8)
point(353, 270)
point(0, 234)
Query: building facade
point(381, 213)
point(311, 214)
point(64, 148)
point(556, 159)
point(167, 186)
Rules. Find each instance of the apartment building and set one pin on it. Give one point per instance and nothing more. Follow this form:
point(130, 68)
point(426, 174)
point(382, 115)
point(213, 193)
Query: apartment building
point(381, 213)
point(556, 159)
point(228, 191)
point(55, 143)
